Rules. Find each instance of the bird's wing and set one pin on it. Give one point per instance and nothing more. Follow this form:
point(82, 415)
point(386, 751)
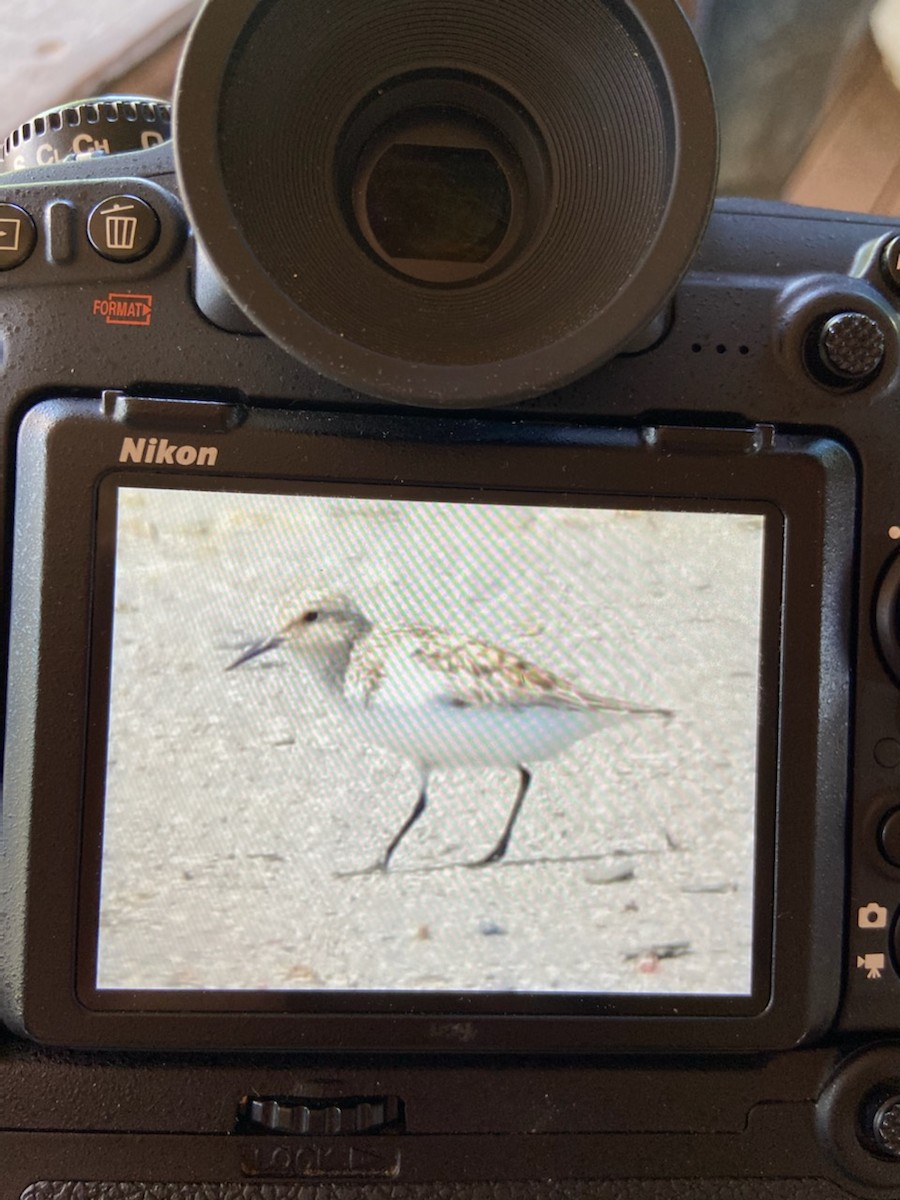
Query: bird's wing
point(479, 673)
point(420, 662)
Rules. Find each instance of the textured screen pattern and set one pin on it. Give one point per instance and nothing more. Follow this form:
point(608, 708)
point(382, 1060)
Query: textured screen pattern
point(426, 746)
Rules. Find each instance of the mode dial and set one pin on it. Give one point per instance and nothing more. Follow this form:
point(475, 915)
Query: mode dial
point(108, 125)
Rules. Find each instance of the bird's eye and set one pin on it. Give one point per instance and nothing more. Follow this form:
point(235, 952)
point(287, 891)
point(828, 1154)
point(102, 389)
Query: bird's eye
point(309, 617)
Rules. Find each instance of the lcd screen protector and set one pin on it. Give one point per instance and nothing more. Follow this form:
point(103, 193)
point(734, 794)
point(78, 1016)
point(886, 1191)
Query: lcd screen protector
point(323, 714)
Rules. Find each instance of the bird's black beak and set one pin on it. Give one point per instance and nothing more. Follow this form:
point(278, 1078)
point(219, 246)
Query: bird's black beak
point(255, 650)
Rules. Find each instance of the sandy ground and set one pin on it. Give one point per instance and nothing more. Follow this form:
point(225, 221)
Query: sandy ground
point(241, 813)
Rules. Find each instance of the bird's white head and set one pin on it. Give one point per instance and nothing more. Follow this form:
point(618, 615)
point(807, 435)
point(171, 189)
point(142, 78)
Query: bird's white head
point(318, 625)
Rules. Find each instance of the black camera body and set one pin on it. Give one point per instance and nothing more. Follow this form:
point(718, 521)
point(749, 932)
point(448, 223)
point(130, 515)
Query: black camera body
point(662, 523)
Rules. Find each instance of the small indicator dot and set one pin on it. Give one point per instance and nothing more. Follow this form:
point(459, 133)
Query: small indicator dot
point(894, 533)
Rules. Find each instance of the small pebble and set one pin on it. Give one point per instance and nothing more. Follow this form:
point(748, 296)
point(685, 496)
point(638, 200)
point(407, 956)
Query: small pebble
point(491, 929)
point(620, 873)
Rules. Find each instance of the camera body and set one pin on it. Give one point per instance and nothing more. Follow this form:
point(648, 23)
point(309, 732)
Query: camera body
point(762, 399)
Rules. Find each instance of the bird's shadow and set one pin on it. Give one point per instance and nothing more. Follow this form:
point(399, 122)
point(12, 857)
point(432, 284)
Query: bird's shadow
point(503, 864)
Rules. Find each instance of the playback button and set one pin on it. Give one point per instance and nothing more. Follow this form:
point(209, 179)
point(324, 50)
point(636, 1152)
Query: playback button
point(18, 236)
point(123, 228)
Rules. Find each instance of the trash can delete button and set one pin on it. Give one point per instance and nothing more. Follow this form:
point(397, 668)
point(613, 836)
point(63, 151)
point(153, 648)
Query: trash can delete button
point(123, 228)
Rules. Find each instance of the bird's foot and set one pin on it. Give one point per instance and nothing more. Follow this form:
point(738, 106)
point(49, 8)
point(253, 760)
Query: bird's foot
point(377, 868)
point(494, 856)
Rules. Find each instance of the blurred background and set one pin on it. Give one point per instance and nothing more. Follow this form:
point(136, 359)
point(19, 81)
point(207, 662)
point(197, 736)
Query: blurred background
point(808, 103)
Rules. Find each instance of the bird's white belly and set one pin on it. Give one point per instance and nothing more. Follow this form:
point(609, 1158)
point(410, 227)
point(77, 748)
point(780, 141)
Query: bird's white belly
point(442, 735)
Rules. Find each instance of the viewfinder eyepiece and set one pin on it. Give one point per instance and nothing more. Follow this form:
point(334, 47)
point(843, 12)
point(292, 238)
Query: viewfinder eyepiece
point(447, 203)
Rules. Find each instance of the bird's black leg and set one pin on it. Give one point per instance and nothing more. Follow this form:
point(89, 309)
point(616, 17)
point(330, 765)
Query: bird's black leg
point(382, 864)
point(500, 849)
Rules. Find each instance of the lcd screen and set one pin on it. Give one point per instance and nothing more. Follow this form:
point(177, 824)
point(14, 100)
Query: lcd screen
point(429, 745)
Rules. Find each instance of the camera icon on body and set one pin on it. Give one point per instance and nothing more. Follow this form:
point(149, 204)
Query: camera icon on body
point(872, 916)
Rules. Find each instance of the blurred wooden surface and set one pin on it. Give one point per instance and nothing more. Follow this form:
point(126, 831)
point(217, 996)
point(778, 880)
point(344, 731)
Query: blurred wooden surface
point(853, 160)
point(773, 64)
point(52, 51)
point(155, 75)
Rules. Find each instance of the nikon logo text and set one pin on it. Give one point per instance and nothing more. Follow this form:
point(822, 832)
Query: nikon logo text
point(161, 452)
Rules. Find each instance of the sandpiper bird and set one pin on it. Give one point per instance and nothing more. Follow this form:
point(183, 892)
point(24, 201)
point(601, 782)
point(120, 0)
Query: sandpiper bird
point(441, 700)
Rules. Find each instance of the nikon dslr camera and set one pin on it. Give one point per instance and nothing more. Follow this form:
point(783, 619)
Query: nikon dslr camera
point(452, 569)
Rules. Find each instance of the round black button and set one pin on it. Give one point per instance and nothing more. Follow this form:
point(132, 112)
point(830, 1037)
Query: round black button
point(886, 1127)
point(852, 345)
point(887, 625)
point(123, 228)
point(18, 236)
point(889, 837)
point(887, 753)
point(890, 262)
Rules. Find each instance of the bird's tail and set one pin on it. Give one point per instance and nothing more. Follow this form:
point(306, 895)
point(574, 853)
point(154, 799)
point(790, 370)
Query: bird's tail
point(611, 704)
